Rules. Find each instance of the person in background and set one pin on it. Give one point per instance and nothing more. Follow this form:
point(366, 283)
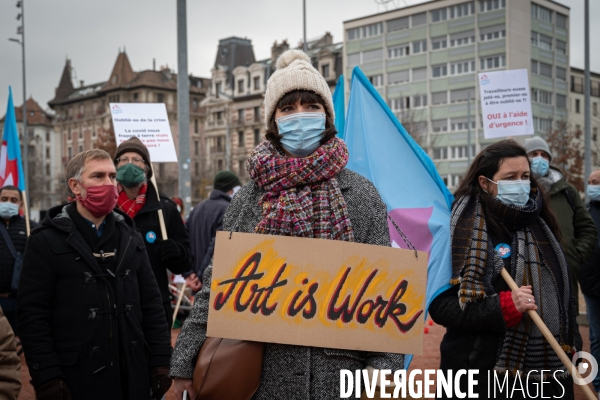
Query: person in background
point(91, 318)
point(204, 222)
point(578, 231)
point(589, 275)
point(139, 200)
point(180, 207)
point(10, 362)
point(11, 201)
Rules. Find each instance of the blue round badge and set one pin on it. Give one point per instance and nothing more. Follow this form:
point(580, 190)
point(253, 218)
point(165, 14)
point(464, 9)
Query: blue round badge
point(150, 237)
point(503, 250)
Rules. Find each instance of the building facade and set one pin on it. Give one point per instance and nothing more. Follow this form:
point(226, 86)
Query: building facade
point(424, 61)
point(83, 118)
point(576, 108)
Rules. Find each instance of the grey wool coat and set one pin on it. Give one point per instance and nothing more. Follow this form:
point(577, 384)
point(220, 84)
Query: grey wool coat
point(294, 372)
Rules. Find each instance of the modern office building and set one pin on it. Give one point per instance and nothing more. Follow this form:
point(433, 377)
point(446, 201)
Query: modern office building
point(424, 60)
point(577, 111)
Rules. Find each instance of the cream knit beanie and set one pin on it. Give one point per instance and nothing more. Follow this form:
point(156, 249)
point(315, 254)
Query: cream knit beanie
point(295, 72)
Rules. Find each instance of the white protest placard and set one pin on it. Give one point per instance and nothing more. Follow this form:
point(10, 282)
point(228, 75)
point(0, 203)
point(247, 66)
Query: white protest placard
point(505, 103)
point(150, 123)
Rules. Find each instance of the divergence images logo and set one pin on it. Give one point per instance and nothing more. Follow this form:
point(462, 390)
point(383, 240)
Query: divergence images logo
point(116, 109)
point(587, 368)
point(484, 80)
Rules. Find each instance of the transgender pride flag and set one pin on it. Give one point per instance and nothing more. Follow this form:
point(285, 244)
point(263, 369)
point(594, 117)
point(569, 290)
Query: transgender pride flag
point(416, 197)
point(11, 166)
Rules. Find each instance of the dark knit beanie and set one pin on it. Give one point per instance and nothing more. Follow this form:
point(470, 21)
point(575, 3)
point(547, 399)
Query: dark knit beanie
point(136, 145)
point(225, 181)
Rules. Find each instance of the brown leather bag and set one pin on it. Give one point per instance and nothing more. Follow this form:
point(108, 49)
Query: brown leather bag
point(228, 369)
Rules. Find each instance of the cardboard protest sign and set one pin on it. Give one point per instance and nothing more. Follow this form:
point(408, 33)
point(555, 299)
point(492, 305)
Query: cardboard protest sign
point(315, 292)
point(150, 123)
point(505, 103)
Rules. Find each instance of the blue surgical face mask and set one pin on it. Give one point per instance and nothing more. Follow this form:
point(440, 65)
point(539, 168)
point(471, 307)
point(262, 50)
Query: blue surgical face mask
point(539, 167)
point(301, 133)
point(593, 192)
point(8, 209)
point(513, 192)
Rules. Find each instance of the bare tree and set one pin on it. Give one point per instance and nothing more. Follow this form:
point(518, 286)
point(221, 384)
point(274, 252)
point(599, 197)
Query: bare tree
point(106, 141)
point(567, 152)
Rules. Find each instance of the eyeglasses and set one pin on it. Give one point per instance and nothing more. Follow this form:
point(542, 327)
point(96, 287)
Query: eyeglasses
point(127, 160)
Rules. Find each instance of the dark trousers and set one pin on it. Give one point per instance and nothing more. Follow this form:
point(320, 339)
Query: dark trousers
point(592, 304)
point(9, 307)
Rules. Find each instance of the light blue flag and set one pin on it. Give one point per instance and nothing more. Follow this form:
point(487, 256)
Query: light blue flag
point(11, 166)
point(339, 106)
point(416, 198)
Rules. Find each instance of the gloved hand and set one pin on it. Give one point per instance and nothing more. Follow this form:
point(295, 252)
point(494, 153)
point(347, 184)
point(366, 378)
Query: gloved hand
point(169, 250)
point(160, 381)
point(53, 390)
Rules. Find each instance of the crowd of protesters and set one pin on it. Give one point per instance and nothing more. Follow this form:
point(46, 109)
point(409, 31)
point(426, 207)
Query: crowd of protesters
point(87, 293)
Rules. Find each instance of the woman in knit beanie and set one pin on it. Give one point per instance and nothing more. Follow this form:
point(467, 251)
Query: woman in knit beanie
point(299, 187)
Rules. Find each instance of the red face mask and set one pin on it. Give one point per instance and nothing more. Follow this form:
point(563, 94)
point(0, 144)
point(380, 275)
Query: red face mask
point(100, 200)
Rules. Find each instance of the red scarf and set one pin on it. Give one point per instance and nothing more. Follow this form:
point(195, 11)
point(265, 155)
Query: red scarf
point(131, 206)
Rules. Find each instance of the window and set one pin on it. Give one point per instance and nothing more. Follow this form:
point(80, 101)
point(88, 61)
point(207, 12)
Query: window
point(561, 47)
point(135, 98)
point(462, 38)
point(372, 30)
point(47, 152)
point(257, 113)
point(399, 51)
point(439, 125)
point(462, 10)
point(439, 15)
point(490, 5)
point(47, 169)
point(70, 152)
point(492, 33)
point(160, 98)
point(457, 152)
point(69, 137)
point(561, 101)
point(241, 116)
point(376, 80)
point(240, 138)
point(219, 143)
point(541, 41)
point(439, 42)
point(418, 19)
point(561, 21)
point(353, 33)
point(195, 125)
point(241, 167)
point(398, 77)
point(220, 165)
point(541, 96)
point(542, 124)
point(419, 46)
point(372, 55)
point(196, 168)
point(80, 133)
point(439, 98)
point(463, 67)
point(195, 104)
point(217, 88)
point(47, 136)
point(577, 84)
point(595, 109)
point(545, 69)
point(577, 106)
point(325, 70)
point(459, 95)
point(440, 153)
point(594, 133)
point(397, 24)
point(419, 101)
point(561, 74)
point(256, 136)
point(80, 148)
point(256, 81)
point(240, 85)
point(196, 148)
point(403, 103)
point(439, 70)
point(419, 74)
point(541, 13)
point(493, 62)
point(219, 116)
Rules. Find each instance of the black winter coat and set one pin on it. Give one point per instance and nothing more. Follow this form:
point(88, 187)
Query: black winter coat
point(146, 220)
point(101, 334)
point(202, 226)
point(589, 275)
point(18, 235)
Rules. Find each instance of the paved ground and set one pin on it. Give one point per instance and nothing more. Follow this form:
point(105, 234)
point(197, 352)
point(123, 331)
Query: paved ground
point(430, 359)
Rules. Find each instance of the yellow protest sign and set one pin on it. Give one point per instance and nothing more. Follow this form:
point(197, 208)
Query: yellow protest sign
point(316, 292)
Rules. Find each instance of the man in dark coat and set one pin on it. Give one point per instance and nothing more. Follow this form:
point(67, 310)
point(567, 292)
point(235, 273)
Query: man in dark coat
point(90, 314)
point(139, 200)
point(11, 201)
point(204, 222)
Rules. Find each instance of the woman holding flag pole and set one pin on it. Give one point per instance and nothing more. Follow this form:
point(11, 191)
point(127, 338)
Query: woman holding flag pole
point(501, 225)
point(300, 187)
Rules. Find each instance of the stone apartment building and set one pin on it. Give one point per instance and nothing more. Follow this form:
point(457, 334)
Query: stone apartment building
point(83, 118)
point(234, 122)
point(46, 179)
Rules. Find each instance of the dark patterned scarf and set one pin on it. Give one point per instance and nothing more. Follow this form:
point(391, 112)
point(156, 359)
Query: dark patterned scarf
point(536, 259)
point(302, 197)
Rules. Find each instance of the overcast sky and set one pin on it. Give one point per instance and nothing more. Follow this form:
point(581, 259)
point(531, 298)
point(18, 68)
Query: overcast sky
point(90, 33)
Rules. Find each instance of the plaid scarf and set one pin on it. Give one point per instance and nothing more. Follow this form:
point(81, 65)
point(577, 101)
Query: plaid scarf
point(302, 198)
point(131, 206)
point(536, 259)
